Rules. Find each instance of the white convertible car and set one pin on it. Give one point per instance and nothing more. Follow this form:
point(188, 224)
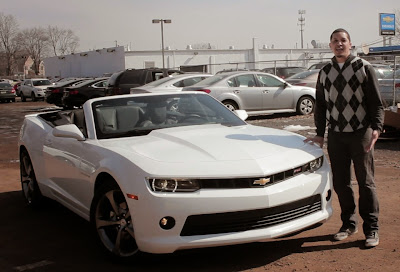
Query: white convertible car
point(162, 172)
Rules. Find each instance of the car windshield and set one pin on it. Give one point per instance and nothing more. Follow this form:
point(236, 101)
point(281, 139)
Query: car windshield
point(212, 80)
point(159, 81)
point(303, 75)
point(41, 82)
point(390, 76)
point(139, 115)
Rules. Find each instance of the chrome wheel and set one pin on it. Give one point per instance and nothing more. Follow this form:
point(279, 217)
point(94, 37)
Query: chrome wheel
point(113, 223)
point(30, 188)
point(230, 105)
point(305, 105)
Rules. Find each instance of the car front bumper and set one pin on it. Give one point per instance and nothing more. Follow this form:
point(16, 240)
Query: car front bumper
point(222, 208)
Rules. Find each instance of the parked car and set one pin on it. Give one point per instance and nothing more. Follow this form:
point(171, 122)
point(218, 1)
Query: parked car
point(307, 78)
point(7, 93)
point(196, 177)
point(283, 72)
point(122, 82)
point(172, 83)
point(76, 95)
point(257, 93)
point(389, 87)
point(16, 88)
point(55, 93)
point(34, 88)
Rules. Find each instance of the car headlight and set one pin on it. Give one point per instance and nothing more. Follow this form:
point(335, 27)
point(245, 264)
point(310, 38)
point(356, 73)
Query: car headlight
point(316, 164)
point(173, 185)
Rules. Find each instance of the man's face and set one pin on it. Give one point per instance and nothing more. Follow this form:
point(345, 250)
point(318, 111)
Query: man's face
point(340, 46)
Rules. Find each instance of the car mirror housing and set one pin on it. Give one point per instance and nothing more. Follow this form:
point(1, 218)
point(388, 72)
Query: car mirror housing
point(68, 131)
point(242, 114)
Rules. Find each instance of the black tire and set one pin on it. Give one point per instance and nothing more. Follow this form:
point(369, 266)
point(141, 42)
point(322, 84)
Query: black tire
point(33, 97)
point(13, 100)
point(112, 222)
point(30, 189)
point(23, 98)
point(230, 105)
point(305, 105)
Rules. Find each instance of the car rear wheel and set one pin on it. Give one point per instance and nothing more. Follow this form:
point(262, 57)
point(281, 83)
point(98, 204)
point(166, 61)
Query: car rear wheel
point(113, 222)
point(230, 105)
point(30, 188)
point(305, 105)
point(23, 98)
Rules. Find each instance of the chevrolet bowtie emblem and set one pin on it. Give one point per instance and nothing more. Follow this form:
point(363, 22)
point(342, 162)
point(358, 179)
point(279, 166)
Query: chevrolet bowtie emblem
point(261, 181)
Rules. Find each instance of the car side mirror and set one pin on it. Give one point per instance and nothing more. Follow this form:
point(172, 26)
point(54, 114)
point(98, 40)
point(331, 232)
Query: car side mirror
point(68, 131)
point(242, 114)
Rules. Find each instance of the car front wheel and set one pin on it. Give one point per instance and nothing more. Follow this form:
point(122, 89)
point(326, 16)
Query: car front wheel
point(30, 188)
point(305, 105)
point(113, 222)
point(33, 96)
point(23, 98)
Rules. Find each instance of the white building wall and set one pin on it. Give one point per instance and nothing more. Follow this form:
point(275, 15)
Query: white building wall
point(86, 64)
point(110, 60)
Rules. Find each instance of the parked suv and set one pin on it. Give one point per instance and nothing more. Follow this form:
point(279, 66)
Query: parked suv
point(34, 88)
point(121, 82)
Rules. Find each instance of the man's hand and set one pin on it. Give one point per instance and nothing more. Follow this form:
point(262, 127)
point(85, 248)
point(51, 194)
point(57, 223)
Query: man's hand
point(315, 140)
point(374, 138)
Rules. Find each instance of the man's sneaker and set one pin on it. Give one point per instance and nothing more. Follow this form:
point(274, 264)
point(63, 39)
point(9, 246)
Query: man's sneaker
point(372, 239)
point(344, 233)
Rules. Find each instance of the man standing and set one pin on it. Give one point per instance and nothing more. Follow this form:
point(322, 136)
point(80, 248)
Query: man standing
point(347, 96)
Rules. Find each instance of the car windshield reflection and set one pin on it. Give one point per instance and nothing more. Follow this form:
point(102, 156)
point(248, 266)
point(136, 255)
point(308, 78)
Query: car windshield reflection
point(139, 115)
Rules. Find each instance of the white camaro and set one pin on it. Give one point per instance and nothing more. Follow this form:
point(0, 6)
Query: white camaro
point(162, 172)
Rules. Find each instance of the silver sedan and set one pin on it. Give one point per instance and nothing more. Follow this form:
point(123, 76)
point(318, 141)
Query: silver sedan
point(257, 93)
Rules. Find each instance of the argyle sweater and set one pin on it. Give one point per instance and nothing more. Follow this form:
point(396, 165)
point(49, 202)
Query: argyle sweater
point(348, 98)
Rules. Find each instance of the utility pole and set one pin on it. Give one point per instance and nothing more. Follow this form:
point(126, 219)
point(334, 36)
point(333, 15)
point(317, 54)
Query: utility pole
point(301, 24)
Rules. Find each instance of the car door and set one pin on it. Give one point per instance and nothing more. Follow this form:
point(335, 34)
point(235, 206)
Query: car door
point(244, 89)
point(275, 93)
point(25, 88)
point(67, 169)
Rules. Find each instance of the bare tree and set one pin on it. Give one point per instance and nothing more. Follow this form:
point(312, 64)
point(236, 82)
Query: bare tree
point(8, 33)
point(35, 42)
point(62, 41)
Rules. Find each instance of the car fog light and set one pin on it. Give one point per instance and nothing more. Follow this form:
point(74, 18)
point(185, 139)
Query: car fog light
point(328, 195)
point(167, 222)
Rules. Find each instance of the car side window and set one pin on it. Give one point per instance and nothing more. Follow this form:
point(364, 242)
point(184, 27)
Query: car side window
point(268, 81)
point(245, 81)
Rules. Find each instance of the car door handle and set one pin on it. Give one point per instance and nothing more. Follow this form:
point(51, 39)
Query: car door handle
point(236, 91)
point(266, 91)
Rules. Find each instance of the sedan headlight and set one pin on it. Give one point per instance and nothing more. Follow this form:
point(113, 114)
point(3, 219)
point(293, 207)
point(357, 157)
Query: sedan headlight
point(173, 185)
point(316, 164)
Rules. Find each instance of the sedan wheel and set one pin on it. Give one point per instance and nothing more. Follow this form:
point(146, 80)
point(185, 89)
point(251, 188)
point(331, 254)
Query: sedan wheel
point(230, 105)
point(305, 105)
point(30, 188)
point(113, 222)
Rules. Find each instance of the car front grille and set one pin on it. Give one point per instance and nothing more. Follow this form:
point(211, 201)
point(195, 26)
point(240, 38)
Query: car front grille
point(204, 224)
point(250, 182)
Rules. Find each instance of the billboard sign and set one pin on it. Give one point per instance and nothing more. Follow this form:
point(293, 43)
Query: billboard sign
point(387, 24)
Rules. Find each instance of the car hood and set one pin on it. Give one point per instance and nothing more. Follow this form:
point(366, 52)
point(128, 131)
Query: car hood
point(215, 149)
point(43, 87)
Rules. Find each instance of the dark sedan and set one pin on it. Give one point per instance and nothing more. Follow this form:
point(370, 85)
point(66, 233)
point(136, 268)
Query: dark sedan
point(75, 96)
point(7, 93)
point(55, 93)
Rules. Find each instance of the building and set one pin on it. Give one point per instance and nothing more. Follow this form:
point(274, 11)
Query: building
point(109, 60)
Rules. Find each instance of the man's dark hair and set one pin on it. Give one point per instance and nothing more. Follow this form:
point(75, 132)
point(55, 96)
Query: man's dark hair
point(340, 30)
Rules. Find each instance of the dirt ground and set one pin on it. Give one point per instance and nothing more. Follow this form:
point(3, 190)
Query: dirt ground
point(55, 239)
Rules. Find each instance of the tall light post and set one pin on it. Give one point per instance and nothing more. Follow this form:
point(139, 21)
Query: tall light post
point(301, 24)
point(162, 21)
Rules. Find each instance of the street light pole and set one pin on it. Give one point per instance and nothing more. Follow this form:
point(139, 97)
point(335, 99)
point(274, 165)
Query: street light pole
point(162, 21)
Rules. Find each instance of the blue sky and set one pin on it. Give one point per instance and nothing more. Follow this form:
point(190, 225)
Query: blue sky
point(223, 23)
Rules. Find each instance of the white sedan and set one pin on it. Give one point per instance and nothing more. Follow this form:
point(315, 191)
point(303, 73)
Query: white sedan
point(157, 181)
